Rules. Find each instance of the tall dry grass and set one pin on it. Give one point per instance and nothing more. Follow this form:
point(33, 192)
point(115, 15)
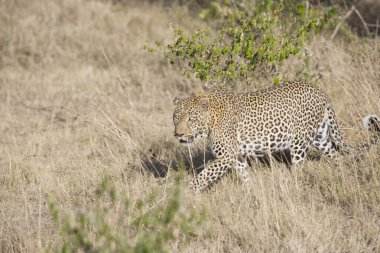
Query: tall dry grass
point(80, 100)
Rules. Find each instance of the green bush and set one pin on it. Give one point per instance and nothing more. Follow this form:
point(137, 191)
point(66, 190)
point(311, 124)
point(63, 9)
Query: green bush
point(148, 224)
point(245, 40)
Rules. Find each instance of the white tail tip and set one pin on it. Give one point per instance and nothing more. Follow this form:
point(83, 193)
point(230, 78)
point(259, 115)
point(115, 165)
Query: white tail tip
point(371, 120)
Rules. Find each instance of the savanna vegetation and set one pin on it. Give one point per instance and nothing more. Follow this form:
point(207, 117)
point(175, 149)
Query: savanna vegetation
point(88, 161)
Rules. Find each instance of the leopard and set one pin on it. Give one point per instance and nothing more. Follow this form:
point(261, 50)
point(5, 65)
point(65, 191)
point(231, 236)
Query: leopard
point(291, 116)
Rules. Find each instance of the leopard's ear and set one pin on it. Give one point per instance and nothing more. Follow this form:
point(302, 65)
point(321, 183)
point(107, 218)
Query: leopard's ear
point(203, 104)
point(176, 100)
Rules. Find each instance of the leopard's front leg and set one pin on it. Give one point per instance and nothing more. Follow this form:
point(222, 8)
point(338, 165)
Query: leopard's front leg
point(213, 172)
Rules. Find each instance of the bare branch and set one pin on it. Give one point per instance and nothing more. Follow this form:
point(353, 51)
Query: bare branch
point(363, 21)
point(347, 15)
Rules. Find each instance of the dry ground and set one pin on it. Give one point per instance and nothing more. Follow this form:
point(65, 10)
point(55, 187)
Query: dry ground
point(81, 100)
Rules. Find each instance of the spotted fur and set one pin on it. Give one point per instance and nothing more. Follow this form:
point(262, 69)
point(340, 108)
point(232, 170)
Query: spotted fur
point(291, 116)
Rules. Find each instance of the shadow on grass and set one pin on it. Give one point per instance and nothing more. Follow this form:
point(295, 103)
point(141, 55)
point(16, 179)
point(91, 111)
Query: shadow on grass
point(199, 158)
point(159, 167)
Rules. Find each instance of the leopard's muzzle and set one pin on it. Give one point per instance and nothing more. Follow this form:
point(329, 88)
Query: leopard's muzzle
point(184, 139)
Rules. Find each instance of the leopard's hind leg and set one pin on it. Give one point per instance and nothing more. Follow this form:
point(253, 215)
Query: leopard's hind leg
point(334, 132)
point(298, 150)
point(323, 142)
point(329, 139)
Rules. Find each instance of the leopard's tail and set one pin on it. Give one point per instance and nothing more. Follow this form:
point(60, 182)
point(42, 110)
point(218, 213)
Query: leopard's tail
point(371, 123)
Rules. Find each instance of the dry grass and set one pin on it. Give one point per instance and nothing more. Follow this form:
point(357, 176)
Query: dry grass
point(81, 100)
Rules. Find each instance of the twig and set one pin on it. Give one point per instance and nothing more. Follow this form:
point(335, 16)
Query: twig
point(115, 73)
point(374, 25)
point(377, 31)
point(363, 21)
point(348, 14)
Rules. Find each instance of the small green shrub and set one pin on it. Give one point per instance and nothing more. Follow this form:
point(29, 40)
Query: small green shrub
point(245, 40)
point(149, 225)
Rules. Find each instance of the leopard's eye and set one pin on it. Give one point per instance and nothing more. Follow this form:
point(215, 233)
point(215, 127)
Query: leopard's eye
point(191, 118)
point(175, 117)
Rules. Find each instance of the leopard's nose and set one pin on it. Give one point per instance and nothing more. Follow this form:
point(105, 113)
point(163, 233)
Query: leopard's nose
point(178, 135)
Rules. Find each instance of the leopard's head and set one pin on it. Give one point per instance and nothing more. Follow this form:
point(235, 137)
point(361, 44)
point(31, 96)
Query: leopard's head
point(191, 119)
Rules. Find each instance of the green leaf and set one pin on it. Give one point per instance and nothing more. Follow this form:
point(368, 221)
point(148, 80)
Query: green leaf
point(276, 80)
